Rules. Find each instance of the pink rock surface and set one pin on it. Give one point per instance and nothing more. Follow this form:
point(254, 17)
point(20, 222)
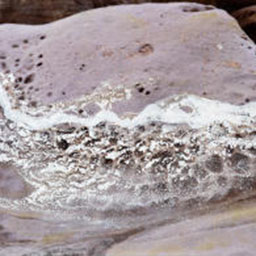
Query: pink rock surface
point(150, 51)
point(154, 50)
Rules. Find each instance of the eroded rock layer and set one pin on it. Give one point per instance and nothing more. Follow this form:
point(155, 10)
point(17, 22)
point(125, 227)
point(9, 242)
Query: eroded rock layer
point(175, 151)
point(247, 20)
point(103, 138)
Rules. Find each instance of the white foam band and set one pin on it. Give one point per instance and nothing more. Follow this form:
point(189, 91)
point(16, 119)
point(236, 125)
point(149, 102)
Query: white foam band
point(203, 112)
point(101, 171)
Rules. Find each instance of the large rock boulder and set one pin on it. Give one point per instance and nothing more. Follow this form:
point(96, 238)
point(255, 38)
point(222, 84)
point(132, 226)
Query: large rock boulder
point(98, 136)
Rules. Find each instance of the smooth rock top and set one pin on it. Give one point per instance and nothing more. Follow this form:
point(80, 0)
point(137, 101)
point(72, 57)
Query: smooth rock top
point(152, 50)
point(43, 11)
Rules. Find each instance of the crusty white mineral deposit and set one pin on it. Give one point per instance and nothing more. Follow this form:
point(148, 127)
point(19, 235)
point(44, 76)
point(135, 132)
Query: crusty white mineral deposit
point(179, 150)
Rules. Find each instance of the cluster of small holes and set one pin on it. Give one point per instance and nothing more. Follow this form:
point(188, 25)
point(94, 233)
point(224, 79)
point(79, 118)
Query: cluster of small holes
point(142, 90)
point(197, 8)
point(23, 68)
point(247, 42)
point(81, 68)
point(29, 79)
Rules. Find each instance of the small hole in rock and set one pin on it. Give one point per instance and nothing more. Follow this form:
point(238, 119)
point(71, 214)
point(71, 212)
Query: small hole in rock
point(197, 9)
point(80, 111)
point(25, 41)
point(82, 67)
point(19, 79)
point(191, 10)
point(15, 46)
point(39, 64)
point(2, 57)
point(147, 92)
point(29, 79)
point(62, 144)
point(63, 93)
point(49, 94)
point(17, 60)
point(141, 90)
point(146, 49)
point(21, 97)
point(214, 163)
point(40, 56)
point(245, 37)
point(33, 104)
point(3, 64)
point(42, 37)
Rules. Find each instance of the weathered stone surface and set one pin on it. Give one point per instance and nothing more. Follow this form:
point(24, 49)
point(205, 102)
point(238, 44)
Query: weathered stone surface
point(98, 134)
point(230, 233)
point(153, 50)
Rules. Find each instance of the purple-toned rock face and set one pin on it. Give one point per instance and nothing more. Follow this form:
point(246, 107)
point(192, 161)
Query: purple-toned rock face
point(247, 20)
point(178, 48)
point(108, 132)
point(229, 232)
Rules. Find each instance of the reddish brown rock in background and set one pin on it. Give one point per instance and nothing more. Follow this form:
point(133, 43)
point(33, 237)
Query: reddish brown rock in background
point(247, 20)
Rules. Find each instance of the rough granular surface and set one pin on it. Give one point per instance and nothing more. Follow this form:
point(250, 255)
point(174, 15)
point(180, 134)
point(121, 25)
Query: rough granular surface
point(180, 150)
point(105, 136)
